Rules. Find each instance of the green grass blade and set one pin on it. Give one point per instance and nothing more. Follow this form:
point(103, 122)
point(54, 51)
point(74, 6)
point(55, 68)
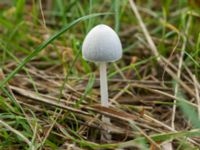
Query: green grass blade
point(19, 9)
point(45, 43)
point(117, 22)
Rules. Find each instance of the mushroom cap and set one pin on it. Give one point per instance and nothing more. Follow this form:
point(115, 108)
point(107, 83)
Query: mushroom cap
point(102, 44)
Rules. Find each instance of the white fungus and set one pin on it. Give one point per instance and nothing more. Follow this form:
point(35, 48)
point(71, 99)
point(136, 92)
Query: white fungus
point(102, 44)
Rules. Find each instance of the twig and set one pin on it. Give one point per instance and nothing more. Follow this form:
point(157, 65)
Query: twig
point(144, 134)
point(165, 94)
point(197, 94)
point(54, 119)
point(46, 101)
point(144, 29)
point(179, 74)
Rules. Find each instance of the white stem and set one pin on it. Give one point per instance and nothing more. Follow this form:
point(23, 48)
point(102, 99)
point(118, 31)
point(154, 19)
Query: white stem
point(104, 85)
point(104, 98)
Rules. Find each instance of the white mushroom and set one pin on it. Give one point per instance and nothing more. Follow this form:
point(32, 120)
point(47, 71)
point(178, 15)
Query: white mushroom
point(102, 45)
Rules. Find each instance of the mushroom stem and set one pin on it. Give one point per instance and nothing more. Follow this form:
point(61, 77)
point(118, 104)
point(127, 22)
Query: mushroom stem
point(104, 85)
point(104, 98)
